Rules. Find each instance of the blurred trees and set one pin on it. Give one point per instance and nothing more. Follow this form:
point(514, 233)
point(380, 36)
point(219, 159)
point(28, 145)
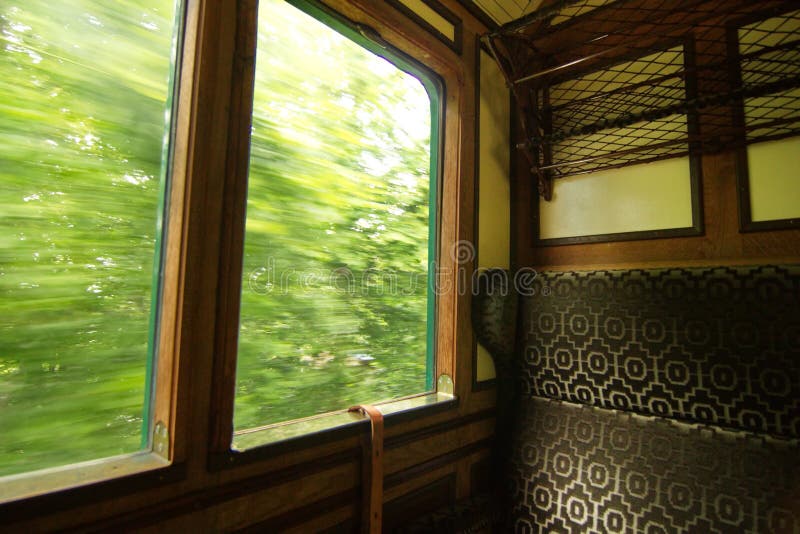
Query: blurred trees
point(339, 183)
point(83, 87)
point(337, 223)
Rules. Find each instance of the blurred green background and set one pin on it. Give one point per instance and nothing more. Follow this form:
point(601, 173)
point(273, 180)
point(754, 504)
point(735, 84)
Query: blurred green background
point(339, 183)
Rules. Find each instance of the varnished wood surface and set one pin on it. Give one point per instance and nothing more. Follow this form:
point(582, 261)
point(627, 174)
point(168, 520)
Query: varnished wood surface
point(316, 487)
point(234, 206)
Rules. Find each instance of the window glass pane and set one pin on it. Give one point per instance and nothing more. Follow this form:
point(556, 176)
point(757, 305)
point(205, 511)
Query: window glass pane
point(335, 299)
point(84, 87)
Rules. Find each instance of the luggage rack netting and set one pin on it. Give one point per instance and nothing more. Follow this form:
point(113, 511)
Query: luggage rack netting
point(606, 84)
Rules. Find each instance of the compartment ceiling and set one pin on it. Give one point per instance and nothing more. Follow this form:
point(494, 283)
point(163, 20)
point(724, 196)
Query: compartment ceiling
point(502, 11)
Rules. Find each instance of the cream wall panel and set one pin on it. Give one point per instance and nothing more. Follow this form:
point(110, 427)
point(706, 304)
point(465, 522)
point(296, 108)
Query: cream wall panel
point(431, 17)
point(494, 221)
point(653, 196)
point(494, 212)
point(774, 173)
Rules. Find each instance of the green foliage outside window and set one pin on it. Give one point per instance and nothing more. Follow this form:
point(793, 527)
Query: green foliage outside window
point(339, 181)
point(335, 286)
point(83, 89)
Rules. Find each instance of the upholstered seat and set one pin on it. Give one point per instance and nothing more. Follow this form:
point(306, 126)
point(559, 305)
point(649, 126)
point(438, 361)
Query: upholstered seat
point(579, 468)
point(659, 400)
point(655, 401)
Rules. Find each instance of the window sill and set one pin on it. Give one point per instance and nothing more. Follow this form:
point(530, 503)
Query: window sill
point(267, 441)
point(72, 483)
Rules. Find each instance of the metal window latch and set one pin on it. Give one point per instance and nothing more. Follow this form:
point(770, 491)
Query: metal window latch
point(161, 440)
point(445, 384)
point(371, 34)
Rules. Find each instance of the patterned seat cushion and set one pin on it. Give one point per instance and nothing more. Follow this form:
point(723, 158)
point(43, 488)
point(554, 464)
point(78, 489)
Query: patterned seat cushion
point(579, 468)
point(711, 345)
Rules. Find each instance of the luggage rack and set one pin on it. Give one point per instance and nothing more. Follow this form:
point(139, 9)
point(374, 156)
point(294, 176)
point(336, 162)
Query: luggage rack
point(603, 84)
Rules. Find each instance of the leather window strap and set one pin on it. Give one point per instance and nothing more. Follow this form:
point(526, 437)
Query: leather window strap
point(372, 471)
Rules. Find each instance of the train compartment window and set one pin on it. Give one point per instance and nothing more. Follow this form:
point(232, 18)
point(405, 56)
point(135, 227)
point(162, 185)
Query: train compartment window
point(85, 122)
point(337, 299)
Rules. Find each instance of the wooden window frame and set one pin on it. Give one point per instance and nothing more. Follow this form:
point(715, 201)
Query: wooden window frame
point(194, 391)
point(161, 461)
point(223, 385)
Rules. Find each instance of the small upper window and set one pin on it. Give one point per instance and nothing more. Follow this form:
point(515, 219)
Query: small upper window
point(84, 87)
point(336, 305)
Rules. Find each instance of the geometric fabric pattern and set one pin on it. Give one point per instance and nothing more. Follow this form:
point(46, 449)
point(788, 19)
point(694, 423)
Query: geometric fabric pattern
point(718, 346)
point(579, 468)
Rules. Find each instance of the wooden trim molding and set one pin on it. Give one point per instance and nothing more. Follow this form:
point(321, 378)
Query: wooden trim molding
point(456, 43)
point(299, 516)
point(235, 459)
point(275, 478)
point(476, 385)
point(694, 230)
point(421, 501)
point(232, 241)
point(479, 14)
point(231, 458)
point(427, 498)
point(20, 510)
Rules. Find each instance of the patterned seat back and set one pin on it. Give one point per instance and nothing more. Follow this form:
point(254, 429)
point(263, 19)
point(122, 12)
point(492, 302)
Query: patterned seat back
point(660, 401)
